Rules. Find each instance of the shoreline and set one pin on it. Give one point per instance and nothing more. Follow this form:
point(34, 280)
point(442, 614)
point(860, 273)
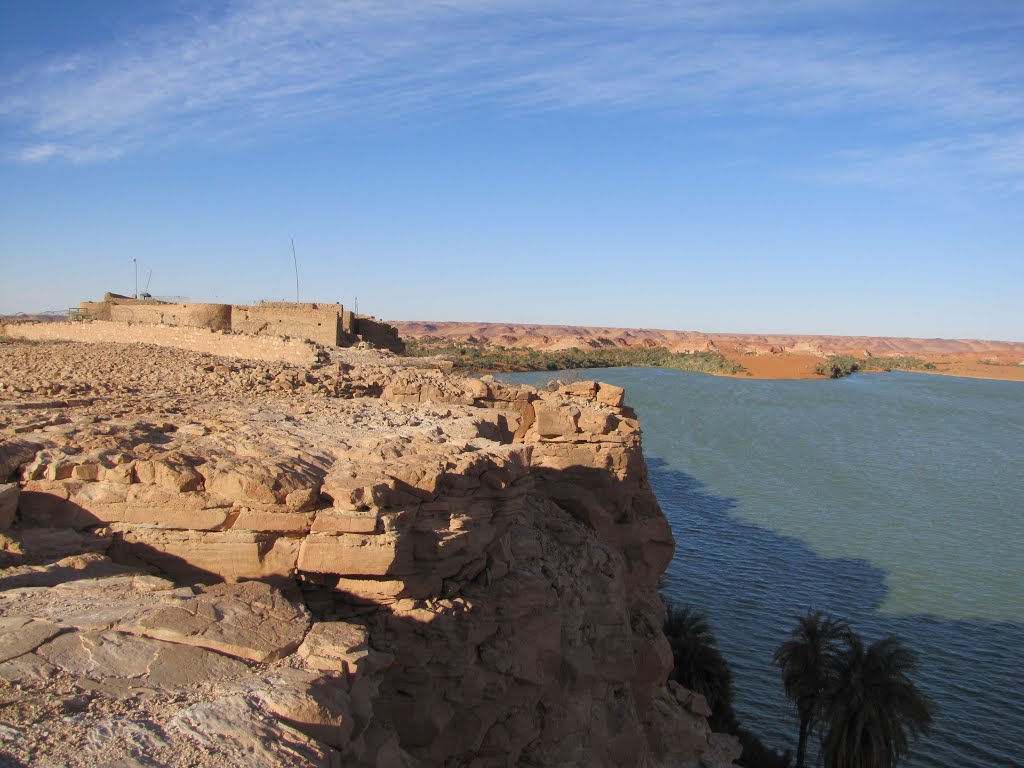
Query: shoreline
point(796, 367)
point(762, 356)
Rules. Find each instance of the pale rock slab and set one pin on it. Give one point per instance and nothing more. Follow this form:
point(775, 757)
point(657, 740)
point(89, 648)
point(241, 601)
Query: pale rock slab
point(100, 655)
point(266, 518)
point(346, 521)
point(251, 621)
point(20, 635)
point(200, 556)
point(335, 646)
point(27, 668)
point(44, 545)
point(96, 603)
point(355, 555)
point(234, 727)
point(312, 702)
point(153, 505)
point(386, 591)
point(556, 421)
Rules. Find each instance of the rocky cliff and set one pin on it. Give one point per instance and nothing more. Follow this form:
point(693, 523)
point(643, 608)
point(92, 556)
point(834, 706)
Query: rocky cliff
point(213, 562)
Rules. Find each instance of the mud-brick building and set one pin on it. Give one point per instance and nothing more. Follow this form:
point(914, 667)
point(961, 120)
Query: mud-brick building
point(328, 324)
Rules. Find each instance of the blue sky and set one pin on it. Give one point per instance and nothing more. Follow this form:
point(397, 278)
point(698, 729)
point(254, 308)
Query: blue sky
point(788, 166)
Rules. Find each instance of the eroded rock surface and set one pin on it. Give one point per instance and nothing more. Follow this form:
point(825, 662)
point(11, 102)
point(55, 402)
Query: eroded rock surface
point(368, 563)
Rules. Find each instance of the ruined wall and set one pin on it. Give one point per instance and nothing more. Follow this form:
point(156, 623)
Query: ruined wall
point(96, 310)
point(348, 322)
point(269, 348)
point(318, 322)
point(327, 324)
point(216, 317)
point(379, 334)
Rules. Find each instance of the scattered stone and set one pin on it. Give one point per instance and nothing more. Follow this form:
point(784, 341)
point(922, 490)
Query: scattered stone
point(337, 646)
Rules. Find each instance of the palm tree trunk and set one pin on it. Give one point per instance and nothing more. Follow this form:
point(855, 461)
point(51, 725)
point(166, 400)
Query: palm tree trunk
point(801, 747)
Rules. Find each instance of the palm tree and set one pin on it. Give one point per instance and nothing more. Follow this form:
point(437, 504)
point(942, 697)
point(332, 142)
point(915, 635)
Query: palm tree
point(808, 661)
point(871, 705)
point(699, 665)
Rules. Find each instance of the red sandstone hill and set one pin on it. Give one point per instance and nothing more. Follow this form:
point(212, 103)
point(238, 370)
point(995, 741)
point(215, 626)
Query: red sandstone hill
point(764, 355)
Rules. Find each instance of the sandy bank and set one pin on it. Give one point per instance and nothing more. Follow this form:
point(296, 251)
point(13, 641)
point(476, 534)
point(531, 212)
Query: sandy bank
point(765, 356)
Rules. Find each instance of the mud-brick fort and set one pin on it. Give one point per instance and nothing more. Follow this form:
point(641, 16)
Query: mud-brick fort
point(289, 332)
point(328, 324)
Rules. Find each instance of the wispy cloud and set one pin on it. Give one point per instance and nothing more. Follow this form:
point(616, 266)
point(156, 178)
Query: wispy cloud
point(267, 65)
point(995, 161)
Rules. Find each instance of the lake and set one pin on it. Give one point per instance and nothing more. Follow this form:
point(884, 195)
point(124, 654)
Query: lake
point(893, 500)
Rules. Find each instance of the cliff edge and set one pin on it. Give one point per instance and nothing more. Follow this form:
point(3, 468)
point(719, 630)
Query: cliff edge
point(364, 562)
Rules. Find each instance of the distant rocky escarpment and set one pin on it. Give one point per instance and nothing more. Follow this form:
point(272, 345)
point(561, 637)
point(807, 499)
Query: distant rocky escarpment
point(555, 337)
point(366, 561)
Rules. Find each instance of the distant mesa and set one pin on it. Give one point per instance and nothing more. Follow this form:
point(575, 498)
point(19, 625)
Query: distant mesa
point(764, 356)
point(564, 337)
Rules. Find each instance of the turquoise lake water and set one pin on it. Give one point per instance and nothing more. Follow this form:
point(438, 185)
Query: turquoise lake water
point(894, 500)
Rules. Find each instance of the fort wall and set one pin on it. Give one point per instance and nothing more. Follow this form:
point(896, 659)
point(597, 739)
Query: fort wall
point(266, 348)
point(326, 324)
point(318, 322)
point(216, 317)
point(379, 334)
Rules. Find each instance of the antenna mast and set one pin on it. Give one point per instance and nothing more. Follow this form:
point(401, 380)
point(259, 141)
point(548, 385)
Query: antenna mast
point(295, 259)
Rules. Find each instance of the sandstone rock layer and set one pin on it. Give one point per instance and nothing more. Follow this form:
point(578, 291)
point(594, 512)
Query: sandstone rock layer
point(366, 562)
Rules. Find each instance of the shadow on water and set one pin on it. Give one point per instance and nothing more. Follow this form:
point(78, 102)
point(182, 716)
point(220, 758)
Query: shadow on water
point(753, 581)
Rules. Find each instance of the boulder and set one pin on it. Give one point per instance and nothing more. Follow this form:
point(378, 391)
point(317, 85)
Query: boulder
point(13, 454)
point(336, 646)
point(9, 493)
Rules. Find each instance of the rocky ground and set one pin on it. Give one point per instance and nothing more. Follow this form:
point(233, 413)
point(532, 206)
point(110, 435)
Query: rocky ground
point(219, 562)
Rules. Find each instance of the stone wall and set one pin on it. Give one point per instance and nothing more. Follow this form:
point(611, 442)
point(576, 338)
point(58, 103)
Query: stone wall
point(327, 324)
point(379, 334)
point(319, 322)
point(216, 317)
point(268, 348)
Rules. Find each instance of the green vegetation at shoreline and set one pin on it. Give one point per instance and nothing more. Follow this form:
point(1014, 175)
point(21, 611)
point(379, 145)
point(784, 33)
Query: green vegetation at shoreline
point(858, 697)
point(698, 665)
point(491, 358)
point(838, 366)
